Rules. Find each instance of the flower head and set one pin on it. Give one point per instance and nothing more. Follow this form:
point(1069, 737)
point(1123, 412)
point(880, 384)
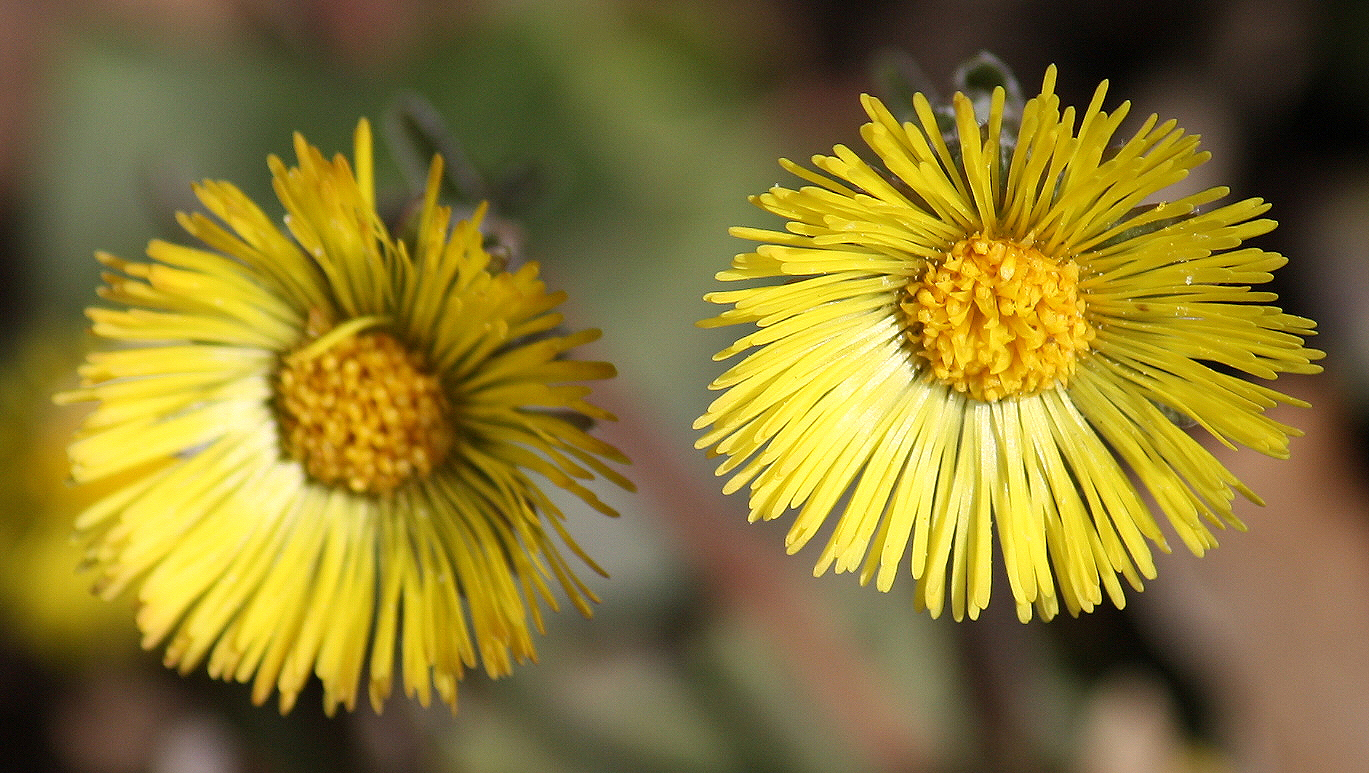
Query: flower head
point(330, 436)
point(981, 333)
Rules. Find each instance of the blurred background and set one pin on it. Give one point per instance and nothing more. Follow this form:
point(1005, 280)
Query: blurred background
point(630, 133)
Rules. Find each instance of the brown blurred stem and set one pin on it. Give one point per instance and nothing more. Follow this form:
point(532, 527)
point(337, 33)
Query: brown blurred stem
point(746, 575)
point(999, 656)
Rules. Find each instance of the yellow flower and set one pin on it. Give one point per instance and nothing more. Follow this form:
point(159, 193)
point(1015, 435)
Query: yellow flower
point(980, 334)
point(45, 605)
point(333, 431)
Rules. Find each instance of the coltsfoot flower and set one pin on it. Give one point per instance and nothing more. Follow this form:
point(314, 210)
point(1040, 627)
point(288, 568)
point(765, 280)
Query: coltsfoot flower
point(330, 436)
point(981, 334)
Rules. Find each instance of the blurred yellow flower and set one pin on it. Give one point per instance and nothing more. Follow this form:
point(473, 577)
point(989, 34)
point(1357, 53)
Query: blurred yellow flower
point(982, 333)
point(45, 603)
point(335, 432)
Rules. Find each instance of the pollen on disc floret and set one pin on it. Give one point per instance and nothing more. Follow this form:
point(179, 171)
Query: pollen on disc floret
point(997, 318)
point(362, 413)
